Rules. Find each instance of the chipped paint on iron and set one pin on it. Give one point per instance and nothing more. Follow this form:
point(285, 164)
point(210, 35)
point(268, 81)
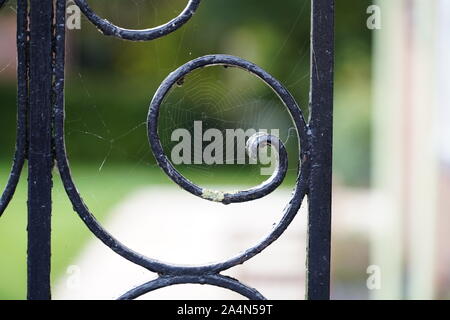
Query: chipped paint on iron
point(213, 195)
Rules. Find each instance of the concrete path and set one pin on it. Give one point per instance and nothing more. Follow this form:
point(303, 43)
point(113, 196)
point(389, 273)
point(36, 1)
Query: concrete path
point(170, 224)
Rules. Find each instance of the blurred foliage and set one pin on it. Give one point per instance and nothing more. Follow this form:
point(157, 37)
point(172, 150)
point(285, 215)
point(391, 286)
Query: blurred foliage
point(111, 82)
point(69, 234)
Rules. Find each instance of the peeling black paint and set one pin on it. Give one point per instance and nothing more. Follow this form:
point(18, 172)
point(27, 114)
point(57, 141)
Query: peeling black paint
point(40, 153)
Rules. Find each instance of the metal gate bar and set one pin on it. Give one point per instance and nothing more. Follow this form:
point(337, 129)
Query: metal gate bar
point(321, 126)
point(40, 154)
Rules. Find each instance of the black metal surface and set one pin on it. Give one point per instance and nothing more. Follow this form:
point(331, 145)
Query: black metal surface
point(321, 125)
point(40, 154)
point(109, 29)
point(41, 97)
point(215, 280)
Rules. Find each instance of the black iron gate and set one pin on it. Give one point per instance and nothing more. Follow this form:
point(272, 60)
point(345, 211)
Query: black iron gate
point(40, 141)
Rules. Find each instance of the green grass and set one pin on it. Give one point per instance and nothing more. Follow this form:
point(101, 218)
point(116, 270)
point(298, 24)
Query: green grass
point(101, 190)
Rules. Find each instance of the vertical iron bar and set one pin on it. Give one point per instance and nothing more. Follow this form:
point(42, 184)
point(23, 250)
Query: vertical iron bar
point(40, 155)
point(321, 125)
